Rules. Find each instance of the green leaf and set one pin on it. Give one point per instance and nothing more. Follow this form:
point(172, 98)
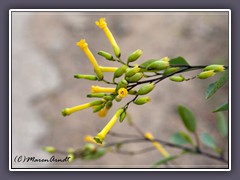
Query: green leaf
point(223, 107)
point(181, 138)
point(164, 161)
point(188, 118)
point(222, 124)
point(178, 61)
point(208, 140)
point(214, 87)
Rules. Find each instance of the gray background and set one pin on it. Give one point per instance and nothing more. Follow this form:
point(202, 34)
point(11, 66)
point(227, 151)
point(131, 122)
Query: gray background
point(45, 58)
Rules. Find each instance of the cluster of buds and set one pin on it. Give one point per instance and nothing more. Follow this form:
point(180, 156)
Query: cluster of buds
point(125, 79)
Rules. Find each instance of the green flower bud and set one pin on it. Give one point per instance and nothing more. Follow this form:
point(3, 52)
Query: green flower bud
point(157, 66)
point(98, 108)
point(117, 51)
point(177, 78)
point(131, 71)
point(95, 103)
point(215, 67)
point(146, 89)
point(122, 116)
point(85, 76)
point(106, 55)
point(122, 84)
point(109, 104)
point(108, 98)
point(135, 78)
point(170, 71)
point(49, 149)
point(206, 74)
point(141, 100)
point(132, 92)
point(146, 63)
point(134, 56)
point(71, 157)
point(120, 71)
point(98, 95)
point(118, 98)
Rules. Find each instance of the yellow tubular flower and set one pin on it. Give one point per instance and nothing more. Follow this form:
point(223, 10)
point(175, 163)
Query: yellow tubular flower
point(108, 69)
point(68, 111)
point(157, 145)
point(122, 92)
point(101, 135)
point(84, 46)
point(97, 89)
point(103, 25)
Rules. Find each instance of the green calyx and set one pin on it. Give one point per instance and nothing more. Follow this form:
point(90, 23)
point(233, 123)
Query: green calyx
point(122, 116)
point(97, 102)
point(117, 51)
point(134, 55)
point(146, 89)
point(98, 108)
point(85, 76)
point(97, 95)
point(141, 100)
point(106, 55)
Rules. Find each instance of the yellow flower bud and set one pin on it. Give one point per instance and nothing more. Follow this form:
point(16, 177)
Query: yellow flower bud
point(122, 84)
point(134, 56)
point(103, 112)
point(215, 67)
point(146, 89)
point(97, 89)
point(170, 71)
point(141, 100)
point(206, 74)
point(101, 135)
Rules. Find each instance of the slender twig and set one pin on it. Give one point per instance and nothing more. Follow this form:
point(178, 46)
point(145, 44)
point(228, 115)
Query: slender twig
point(141, 151)
point(122, 135)
point(187, 149)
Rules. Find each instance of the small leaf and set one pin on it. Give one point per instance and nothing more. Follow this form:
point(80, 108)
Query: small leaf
point(223, 107)
point(188, 118)
point(208, 140)
point(181, 138)
point(94, 155)
point(178, 61)
point(164, 161)
point(214, 87)
point(222, 124)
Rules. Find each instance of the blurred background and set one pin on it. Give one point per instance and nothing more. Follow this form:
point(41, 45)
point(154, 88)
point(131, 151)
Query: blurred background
point(45, 58)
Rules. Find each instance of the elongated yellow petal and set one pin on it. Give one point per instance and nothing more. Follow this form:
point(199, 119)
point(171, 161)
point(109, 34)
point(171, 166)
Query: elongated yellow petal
point(157, 145)
point(68, 111)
